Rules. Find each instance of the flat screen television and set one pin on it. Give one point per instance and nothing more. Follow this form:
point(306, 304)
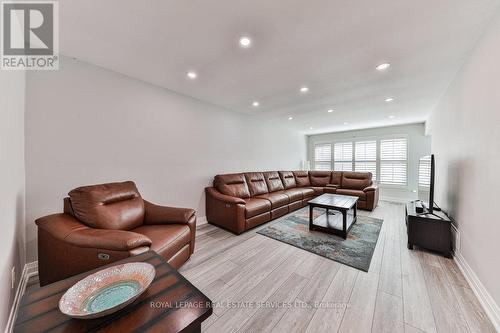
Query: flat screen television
point(426, 175)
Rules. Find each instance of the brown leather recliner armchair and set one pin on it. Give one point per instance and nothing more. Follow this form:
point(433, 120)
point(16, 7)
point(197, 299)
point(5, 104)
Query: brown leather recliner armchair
point(105, 223)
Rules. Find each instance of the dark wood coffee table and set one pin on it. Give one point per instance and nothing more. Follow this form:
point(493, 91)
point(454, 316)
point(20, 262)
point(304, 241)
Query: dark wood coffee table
point(170, 304)
point(341, 220)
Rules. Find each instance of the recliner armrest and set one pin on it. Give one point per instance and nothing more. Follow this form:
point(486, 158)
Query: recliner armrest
point(370, 188)
point(222, 197)
point(68, 229)
point(156, 214)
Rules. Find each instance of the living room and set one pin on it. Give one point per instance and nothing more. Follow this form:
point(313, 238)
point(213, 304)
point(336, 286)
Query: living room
point(259, 166)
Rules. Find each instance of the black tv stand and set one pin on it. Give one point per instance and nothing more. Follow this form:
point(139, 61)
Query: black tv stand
point(429, 231)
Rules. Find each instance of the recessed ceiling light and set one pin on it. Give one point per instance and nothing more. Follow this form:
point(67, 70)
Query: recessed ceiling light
point(304, 89)
point(389, 99)
point(383, 67)
point(255, 103)
point(192, 75)
point(330, 111)
point(311, 127)
point(346, 123)
point(290, 118)
point(392, 117)
point(245, 42)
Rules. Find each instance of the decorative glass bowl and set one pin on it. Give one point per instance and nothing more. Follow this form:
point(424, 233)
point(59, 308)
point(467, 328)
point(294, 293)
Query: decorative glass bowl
point(107, 291)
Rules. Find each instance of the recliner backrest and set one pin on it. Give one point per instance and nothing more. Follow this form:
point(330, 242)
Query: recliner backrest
point(320, 178)
point(288, 179)
point(234, 185)
point(116, 206)
point(356, 180)
point(336, 178)
point(256, 183)
point(302, 178)
point(273, 181)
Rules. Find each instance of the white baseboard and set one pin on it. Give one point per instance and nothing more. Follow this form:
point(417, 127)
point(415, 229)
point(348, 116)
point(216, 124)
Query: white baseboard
point(201, 221)
point(29, 270)
point(394, 199)
point(489, 305)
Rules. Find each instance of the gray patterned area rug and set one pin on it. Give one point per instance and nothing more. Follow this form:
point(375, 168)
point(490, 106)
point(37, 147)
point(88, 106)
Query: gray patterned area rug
point(355, 251)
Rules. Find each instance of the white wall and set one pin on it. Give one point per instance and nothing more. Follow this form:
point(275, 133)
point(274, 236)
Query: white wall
point(465, 130)
point(12, 242)
point(88, 125)
point(418, 146)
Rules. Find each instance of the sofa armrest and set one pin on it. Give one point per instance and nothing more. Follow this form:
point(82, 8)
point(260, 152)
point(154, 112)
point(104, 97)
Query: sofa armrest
point(370, 188)
point(225, 211)
point(68, 229)
point(222, 197)
point(156, 214)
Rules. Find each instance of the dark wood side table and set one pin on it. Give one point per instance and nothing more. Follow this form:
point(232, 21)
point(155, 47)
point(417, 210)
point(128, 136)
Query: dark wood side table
point(170, 304)
point(333, 223)
point(432, 232)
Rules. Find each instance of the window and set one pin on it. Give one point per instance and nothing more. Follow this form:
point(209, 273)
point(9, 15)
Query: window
point(424, 172)
point(343, 156)
point(365, 157)
point(323, 157)
point(393, 161)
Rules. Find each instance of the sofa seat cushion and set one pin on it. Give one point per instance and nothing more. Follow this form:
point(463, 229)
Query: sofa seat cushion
point(318, 190)
point(307, 192)
point(355, 193)
point(277, 199)
point(167, 239)
point(294, 194)
point(256, 206)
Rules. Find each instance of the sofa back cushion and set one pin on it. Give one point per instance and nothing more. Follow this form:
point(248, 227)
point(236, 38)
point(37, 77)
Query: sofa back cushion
point(356, 180)
point(319, 178)
point(302, 178)
point(336, 178)
point(273, 181)
point(288, 179)
point(117, 206)
point(233, 185)
point(256, 183)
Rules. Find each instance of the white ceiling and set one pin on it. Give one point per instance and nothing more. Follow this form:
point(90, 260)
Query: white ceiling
point(332, 46)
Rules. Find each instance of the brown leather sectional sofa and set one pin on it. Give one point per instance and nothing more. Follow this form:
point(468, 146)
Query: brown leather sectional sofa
point(241, 201)
point(108, 222)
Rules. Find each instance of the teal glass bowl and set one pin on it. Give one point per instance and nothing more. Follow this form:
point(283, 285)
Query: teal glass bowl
point(107, 291)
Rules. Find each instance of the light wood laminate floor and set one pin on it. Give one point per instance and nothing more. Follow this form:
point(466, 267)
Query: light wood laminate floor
point(404, 291)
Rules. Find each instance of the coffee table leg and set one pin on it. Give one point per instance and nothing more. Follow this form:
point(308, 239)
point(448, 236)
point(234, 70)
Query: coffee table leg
point(344, 223)
point(310, 217)
point(355, 213)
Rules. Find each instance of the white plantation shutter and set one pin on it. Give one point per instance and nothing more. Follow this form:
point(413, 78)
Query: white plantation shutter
point(424, 172)
point(393, 161)
point(342, 156)
point(323, 157)
point(365, 157)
